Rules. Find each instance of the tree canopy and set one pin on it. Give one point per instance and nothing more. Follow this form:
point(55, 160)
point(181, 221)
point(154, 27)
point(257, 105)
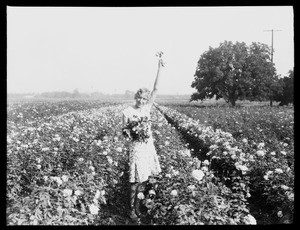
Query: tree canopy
point(234, 71)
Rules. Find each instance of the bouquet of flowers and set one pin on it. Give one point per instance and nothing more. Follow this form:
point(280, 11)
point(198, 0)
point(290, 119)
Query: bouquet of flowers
point(138, 129)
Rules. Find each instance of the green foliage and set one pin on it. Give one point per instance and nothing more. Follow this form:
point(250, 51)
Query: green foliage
point(272, 172)
point(234, 71)
point(286, 93)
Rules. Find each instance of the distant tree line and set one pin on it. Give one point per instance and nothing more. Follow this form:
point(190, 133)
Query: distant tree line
point(240, 72)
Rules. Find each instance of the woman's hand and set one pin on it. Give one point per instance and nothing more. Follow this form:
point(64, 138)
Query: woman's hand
point(160, 61)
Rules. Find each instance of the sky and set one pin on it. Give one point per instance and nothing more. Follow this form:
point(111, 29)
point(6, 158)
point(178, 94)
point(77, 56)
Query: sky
point(112, 49)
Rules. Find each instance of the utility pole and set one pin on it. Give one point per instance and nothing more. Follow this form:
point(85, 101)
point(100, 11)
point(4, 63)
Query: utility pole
point(272, 50)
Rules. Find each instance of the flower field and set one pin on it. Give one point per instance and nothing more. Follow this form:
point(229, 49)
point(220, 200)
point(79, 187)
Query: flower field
point(266, 135)
point(67, 165)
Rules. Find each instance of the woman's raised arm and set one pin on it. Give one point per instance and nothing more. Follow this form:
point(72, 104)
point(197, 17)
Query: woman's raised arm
point(156, 83)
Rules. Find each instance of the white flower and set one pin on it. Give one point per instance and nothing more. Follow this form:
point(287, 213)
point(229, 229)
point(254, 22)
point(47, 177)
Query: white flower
point(245, 140)
point(152, 192)
point(242, 168)
point(168, 175)
point(94, 209)
point(191, 187)
point(174, 193)
point(290, 196)
point(285, 144)
point(198, 174)
point(284, 187)
point(39, 166)
point(109, 159)
point(206, 162)
point(204, 168)
point(279, 214)
point(57, 179)
point(67, 192)
point(92, 168)
point(102, 192)
point(273, 153)
point(266, 177)
point(97, 195)
point(80, 159)
point(119, 149)
point(104, 153)
point(278, 171)
point(65, 178)
point(78, 192)
point(175, 172)
point(140, 196)
point(283, 152)
point(260, 153)
point(167, 143)
point(250, 220)
point(261, 145)
point(45, 178)
point(45, 149)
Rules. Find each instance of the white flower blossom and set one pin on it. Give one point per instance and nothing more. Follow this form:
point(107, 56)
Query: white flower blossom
point(191, 187)
point(65, 178)
point(206, 162)
point(94, 209)
point(67, 192)
point(250, 220)
point(119, 149)
point(140, 196)
point(279, 214)
point(283, 153)
point(242, 167)
point(92, 168)
point(109, 159)
point(260, 153)
point(174, 193)
point(168, 175)
point(152, 192)
point(273, 153)
point(78, 192)
point(261, 145)
point(198, 174)
point(245, 140)
point(278, 171)
point(284, 187)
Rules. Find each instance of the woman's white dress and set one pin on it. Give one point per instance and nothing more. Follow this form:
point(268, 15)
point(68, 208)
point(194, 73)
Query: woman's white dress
point(143, 160)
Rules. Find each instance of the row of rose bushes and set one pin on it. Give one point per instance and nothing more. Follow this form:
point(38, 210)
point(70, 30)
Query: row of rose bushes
point(188, 191)
point(61, 171)
point(71, 170)
point(244, 166)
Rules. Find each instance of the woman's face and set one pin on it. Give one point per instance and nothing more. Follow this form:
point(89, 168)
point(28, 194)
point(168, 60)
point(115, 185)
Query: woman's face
point(141, 100)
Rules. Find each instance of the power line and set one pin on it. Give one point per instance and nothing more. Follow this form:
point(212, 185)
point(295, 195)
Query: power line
point(272, 42)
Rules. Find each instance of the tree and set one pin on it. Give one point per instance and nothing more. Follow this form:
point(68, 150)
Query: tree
point(286, 93)
point(233, 71)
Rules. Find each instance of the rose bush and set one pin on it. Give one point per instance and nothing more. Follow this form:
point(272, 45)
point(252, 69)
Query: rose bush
point(243, 162)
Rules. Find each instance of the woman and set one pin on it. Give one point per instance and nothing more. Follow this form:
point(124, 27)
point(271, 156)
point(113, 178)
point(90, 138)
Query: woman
point(143, 160)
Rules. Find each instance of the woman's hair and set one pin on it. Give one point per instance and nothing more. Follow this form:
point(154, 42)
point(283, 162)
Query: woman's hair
point(142, 91)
